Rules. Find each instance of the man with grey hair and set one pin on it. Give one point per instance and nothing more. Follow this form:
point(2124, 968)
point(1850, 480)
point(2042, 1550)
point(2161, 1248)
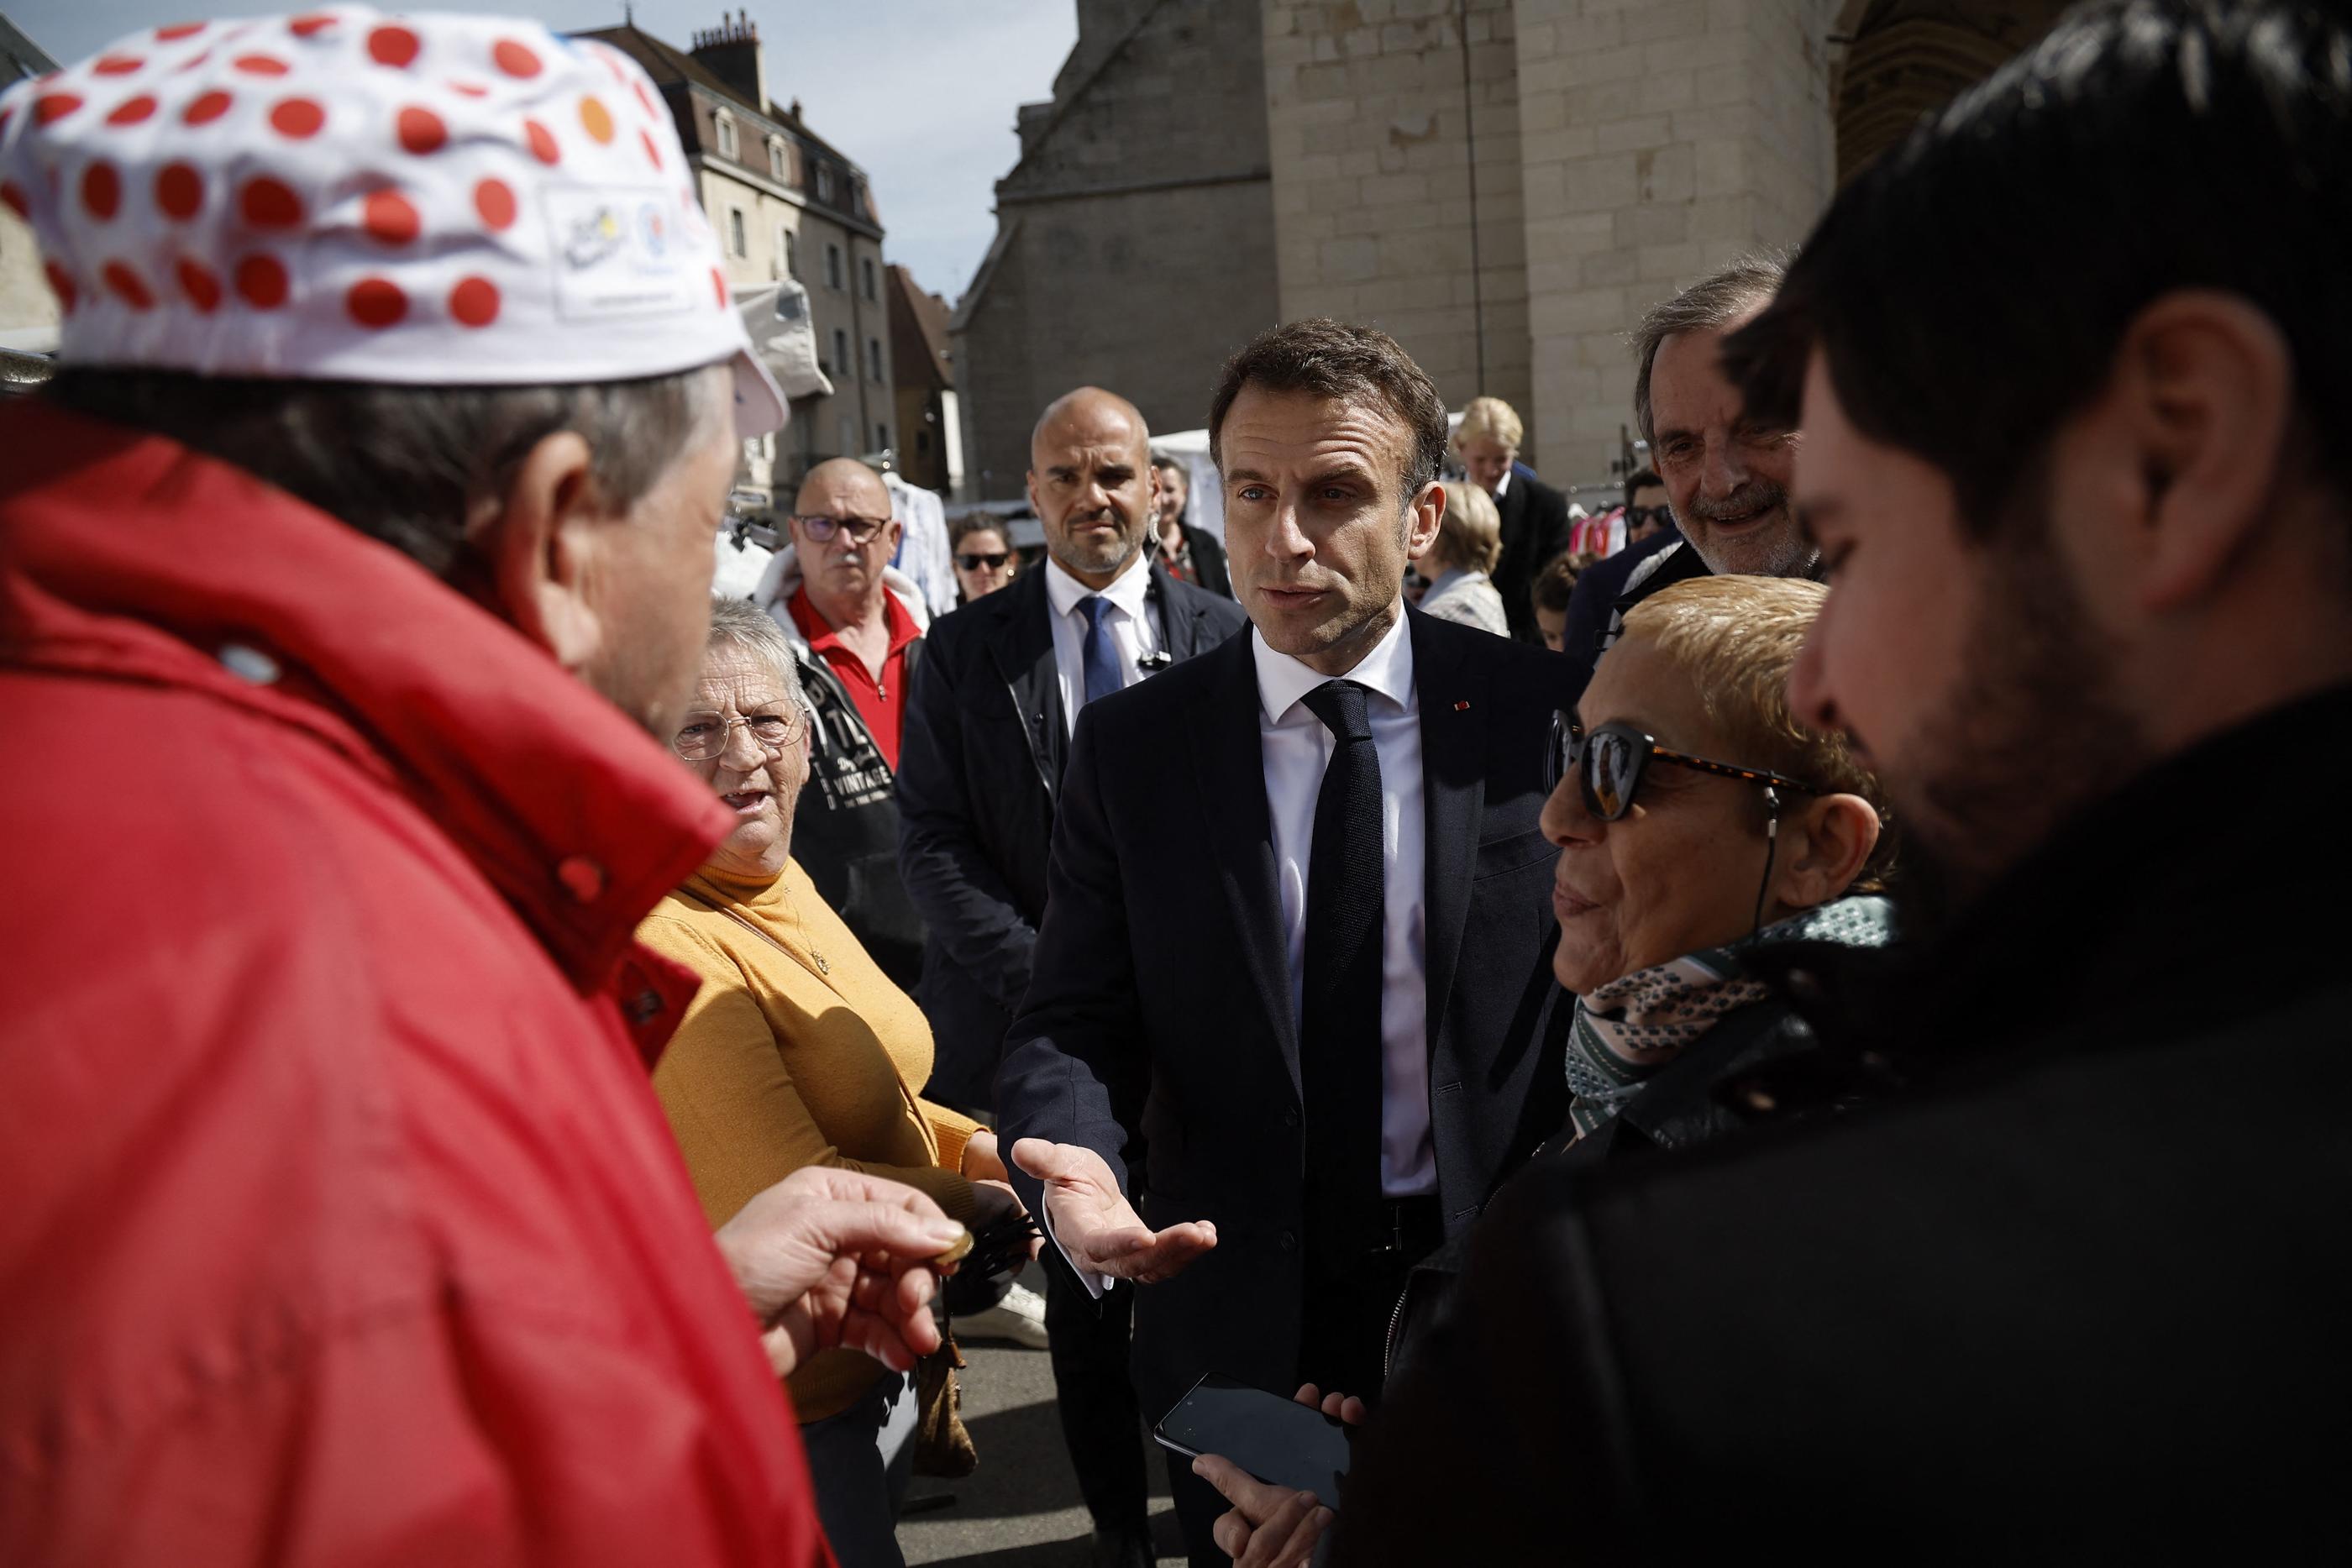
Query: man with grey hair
point(342, 1224)
point(1726, 476)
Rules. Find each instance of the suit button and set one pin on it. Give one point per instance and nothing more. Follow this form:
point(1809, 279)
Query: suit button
point(1289, 1239)
point(1290, 1119)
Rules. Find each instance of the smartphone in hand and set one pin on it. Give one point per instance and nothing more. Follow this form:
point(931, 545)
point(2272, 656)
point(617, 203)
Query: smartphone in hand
point(1278, 1440)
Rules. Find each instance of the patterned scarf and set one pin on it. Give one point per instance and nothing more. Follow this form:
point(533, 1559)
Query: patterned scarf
point(1629, 1029)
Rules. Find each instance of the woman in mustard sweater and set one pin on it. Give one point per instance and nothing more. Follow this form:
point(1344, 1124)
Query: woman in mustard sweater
point(798, 1051)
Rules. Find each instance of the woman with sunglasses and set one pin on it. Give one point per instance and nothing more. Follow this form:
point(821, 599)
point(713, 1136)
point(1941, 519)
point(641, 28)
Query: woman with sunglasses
point(985, 562)
point(799, 1050)
point(1696, 820)
point(1695, 817)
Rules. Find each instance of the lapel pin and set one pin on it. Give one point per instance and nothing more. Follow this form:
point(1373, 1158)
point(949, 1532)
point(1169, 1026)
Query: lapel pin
point(1462, 707)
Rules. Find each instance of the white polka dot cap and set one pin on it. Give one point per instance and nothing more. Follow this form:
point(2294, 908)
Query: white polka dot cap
point(347, 196)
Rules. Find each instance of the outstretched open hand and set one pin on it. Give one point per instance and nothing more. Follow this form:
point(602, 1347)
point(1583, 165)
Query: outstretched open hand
point(1093, 1222)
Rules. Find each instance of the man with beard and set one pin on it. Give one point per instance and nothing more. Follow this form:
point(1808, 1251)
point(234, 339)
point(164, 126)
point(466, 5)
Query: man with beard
point(1726, 474)
point(2074, 1285)
point(987, 740)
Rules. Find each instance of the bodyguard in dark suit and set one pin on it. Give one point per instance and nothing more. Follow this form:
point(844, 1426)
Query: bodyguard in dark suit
point(979, 770)
point(1299, 917)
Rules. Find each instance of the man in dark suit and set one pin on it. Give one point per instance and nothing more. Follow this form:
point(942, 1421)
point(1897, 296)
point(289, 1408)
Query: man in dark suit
point(1299, 917)
point(979, 775)
point(1190, 554)
point(1535, 516)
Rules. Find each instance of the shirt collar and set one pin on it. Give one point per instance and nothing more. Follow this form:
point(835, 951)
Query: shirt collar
point(1504, 488)
point(1283, 681)
point(148, 558)
point(823, 638)
point(1126, 592)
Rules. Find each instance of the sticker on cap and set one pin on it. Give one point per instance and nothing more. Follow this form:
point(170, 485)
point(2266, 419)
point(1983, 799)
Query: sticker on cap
point(616, 255)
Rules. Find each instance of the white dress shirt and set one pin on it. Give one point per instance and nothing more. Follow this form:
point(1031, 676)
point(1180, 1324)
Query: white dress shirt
point(1295, 746)
point(1134, 623)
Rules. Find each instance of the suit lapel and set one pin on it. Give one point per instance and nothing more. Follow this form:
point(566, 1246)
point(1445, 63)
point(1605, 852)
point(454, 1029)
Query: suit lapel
point(1176, 617)
point(1231, 768)
point(1022, 647)
point(1451, 690)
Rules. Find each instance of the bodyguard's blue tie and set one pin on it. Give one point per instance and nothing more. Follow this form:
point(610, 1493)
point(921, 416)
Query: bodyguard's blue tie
point(1101, 650)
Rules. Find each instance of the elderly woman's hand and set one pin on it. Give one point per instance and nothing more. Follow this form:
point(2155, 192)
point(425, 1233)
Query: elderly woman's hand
point(831, 1257)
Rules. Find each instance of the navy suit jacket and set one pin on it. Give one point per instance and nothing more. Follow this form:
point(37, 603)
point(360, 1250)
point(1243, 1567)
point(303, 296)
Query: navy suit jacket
point(980, 764)
point(1160, 1001)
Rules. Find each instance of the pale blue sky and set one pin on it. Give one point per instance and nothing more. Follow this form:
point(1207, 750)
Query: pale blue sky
point(920, 92)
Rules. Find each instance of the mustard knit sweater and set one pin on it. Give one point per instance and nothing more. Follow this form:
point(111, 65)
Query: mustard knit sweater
point(778, 1066)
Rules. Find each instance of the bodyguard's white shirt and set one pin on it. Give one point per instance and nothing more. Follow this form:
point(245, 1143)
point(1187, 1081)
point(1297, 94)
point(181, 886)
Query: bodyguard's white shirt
point(1134, 623)
point(1296, 746)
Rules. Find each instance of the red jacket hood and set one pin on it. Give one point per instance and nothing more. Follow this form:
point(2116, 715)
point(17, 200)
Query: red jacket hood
point(129, 555)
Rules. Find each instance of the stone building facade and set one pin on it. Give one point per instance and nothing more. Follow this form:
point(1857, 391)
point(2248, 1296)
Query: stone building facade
point(929, 449)
point(1506, 185)
point(1135, 242)
point(29, 311)
point(785, 204)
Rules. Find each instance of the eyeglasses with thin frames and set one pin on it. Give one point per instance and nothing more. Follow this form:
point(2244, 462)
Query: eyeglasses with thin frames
point(706, 734)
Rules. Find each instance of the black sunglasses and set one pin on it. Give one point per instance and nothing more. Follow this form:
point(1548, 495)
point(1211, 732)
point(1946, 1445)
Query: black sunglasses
point(1613, 759)
point(1642, 516)
point(974, 562)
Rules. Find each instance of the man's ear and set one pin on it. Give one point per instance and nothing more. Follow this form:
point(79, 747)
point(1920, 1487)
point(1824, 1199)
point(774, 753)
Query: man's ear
point(2206, 382)
point(1825, 842)
point(539, 541)
point(1428, 510)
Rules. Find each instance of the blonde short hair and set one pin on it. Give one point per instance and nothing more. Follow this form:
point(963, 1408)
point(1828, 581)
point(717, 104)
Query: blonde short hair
point(1736, 639)
point(1490, 418)
point(1470, 535)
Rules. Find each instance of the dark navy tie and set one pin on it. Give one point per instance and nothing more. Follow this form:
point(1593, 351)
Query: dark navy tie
point(1100, 654)
point(1340, 999)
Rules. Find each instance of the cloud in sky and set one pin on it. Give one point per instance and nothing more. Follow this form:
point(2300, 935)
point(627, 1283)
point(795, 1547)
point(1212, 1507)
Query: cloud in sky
point(921, 93)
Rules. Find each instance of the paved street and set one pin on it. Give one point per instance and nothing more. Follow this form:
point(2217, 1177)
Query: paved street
point(1020, 1508)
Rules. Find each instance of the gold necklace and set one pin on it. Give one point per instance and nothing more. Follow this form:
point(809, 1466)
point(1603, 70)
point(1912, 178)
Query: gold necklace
point(801, 929)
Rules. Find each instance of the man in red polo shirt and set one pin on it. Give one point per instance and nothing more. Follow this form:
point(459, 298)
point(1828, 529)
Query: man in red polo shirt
point(857, 626)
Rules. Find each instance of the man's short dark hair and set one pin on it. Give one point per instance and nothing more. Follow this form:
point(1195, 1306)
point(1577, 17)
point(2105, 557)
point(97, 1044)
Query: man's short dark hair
point(1327, 359)
point(1707, 305)
point(1970, 288)
point(1642, 479)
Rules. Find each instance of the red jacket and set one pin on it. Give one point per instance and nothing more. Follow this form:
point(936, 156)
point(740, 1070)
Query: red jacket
point(338, 1221)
